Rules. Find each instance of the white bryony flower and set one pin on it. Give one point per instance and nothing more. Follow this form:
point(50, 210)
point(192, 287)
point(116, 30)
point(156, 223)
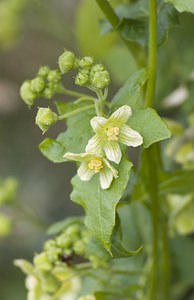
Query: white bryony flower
point(91, 164)
point(110, 132)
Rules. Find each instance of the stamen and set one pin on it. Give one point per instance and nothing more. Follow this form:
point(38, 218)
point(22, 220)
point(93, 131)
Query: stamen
point(95, 164)
point(112, 133)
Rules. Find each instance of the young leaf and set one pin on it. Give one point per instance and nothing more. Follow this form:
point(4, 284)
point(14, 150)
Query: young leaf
point(183, 5)
point(100, 204)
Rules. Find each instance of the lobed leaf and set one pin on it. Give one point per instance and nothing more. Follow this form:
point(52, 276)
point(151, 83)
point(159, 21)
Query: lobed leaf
point(100, 205)
point(183, 5)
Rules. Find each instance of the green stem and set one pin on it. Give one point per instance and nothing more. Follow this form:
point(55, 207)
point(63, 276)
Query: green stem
point(166, 260)
point(65, 91)
point(76, 111)
point(150, 93)
point(152, 152)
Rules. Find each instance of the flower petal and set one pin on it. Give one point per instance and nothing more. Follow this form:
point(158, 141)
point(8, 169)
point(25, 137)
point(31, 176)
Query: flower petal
point(113, 151)
point(106, 178)
point(98, 123)
point(112, 169)
point(121, 115)
point(84, 172)
point(129, 137)
point(78, 157)
point(95, 144)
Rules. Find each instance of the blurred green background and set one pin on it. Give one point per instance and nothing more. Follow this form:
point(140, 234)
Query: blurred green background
point(34, 33)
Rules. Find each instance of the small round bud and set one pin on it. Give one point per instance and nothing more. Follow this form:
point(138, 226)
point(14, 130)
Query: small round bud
point(72, 230)
point(64, 241)
point(66, 61)
point(99, 77)
point(79, 247)
point(45, 118)
point(37, 85)
point(41, 262)
point(86, 62)
point(43, 71)
point(8, 189)
point(48, 93)
point(54, 76)
point(82, 77)
point(26, 93)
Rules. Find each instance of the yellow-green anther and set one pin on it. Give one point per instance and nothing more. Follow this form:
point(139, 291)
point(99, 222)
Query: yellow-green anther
point(54, 76)
point(66, 61)
point(86, 62)
point(43, 71)
point(82, 77)
point(27, 95)
point(37, 84)
point(45, 118)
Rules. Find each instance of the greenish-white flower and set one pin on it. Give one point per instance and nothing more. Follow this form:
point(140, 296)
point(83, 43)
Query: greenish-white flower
point(91, 164)
point(110, 132)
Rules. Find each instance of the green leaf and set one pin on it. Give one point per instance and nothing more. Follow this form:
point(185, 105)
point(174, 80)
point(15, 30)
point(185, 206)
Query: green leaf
point(53, 150)
point(183, 5)
point(134, 24)
point(148, 123)
point(182, 249)
point(100, 204)
point(130, 93)
point(118, 250)
point(60, 226)
point(74, 139)
point(134, 30)
point(179, 182)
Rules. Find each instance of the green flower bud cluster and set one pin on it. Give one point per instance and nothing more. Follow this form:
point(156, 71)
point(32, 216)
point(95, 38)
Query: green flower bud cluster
point(45, 118)
point(45, 84)
point(67, 62)
point(94, 76)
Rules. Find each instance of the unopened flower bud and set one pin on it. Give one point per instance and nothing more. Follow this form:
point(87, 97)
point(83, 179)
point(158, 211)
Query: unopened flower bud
point(86, 62)
point(45, 118)
point(27, 95)
point(43, 71)
point(82, 77)
point(48, 93)
point(66, 61)
point(64, 241)
point(54, 76)
point(37, 84)
point(73, 230)
point(79, 247)
point(42, 263)
point(99, 77)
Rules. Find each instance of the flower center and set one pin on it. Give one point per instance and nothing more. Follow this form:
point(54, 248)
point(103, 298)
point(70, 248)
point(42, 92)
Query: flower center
point(95, 164)
point(112, 133)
